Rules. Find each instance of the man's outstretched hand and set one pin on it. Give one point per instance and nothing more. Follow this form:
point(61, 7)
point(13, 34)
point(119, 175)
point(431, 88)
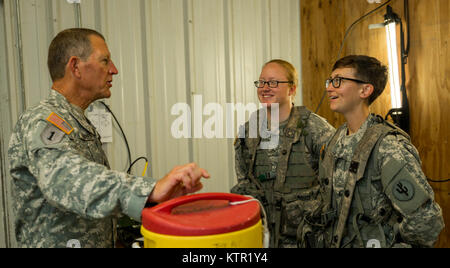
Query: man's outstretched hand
point(181, 180)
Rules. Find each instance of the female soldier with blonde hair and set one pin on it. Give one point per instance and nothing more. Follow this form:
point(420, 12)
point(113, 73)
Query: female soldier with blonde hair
point(284, 177)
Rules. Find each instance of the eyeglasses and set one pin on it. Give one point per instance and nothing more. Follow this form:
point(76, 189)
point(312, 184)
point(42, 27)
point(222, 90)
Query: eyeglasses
point(336, 82)
point(271, 83)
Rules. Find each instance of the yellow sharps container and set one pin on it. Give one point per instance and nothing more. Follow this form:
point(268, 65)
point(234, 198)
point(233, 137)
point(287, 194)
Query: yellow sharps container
point(211, 220)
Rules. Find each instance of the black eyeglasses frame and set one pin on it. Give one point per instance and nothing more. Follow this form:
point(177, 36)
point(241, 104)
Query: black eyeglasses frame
point(258, 83)
point(339, 80)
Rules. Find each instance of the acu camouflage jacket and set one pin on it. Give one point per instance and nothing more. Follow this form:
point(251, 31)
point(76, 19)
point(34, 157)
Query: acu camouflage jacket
point(64, 191)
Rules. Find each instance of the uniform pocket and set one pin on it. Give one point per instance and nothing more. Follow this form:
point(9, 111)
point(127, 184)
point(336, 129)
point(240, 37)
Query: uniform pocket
point(299, 202)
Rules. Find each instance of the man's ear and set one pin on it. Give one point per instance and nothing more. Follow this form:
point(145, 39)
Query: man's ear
point(73, 66)
point(366, 91)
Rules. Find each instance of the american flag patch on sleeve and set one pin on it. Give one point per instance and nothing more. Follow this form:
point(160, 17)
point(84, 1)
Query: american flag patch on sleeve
point(60, 123)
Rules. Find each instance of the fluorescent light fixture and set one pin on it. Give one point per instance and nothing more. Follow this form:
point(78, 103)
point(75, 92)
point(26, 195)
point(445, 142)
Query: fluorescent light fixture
point(400, 107)
point(394, 77)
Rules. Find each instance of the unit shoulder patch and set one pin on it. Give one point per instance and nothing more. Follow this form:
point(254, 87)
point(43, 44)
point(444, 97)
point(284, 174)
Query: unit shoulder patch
point(52, 135)
point(60, 123)
point(403, 190)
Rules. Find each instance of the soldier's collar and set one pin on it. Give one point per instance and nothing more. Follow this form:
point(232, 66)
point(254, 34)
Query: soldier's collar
point(76, 112)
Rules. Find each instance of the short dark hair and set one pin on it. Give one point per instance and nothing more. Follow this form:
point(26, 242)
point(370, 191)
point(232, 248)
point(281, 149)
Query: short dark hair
point(68, 43)
point(368, 69)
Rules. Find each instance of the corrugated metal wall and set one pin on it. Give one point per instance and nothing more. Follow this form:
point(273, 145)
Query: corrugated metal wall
point(167, 52)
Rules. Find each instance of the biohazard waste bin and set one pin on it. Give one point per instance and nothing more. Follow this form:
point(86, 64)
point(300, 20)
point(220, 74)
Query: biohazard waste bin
point(210, 220)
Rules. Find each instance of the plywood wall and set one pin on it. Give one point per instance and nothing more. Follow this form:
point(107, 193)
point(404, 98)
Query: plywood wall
point(323, 24)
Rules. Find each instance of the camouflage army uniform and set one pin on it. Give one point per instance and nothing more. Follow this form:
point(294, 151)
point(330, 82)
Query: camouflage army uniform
point(64, 191)
point(284, 179)
point(374, 191)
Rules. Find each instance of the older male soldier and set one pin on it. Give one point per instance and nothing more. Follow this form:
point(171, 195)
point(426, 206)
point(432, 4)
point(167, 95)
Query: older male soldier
point(64, 190)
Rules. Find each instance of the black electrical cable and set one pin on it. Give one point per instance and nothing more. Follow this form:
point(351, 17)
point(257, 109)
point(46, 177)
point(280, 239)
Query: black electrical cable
point(123, 134)
point(441, 181)
point(135, 161)
point(406, 11)
point(357, 21)
point(126, 230)
point(347, 32)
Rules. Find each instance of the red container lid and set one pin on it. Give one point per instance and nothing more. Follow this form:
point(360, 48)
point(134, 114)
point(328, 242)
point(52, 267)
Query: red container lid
point(201, 214)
